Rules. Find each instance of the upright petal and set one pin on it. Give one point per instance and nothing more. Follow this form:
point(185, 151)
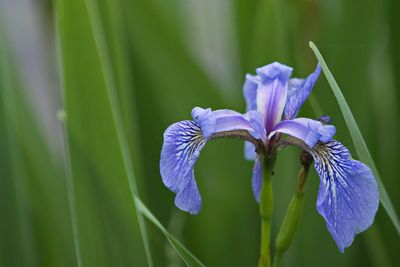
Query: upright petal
point(308, 130)
point(183, 142)
point(257, 178)
point(272, 92)
point(348, 195)
point(298, 92)
point(250, 91)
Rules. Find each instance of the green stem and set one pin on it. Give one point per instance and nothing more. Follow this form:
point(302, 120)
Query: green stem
point(266, 211)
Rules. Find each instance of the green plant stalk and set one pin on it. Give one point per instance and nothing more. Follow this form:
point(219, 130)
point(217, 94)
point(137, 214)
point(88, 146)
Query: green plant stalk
point(266, 205)
point(288, 227)
point(292, 217)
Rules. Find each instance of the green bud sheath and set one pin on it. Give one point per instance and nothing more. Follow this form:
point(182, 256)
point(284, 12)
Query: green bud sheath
point(293, 214)
point(290, 223)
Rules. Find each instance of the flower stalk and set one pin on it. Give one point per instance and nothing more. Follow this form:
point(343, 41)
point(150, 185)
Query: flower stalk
point(266, 206)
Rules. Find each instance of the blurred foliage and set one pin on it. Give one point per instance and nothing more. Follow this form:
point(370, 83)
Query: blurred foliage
point(123, 70)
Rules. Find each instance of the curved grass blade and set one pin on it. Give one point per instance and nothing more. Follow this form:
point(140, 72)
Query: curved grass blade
point(106, 65)
point(111, 231)
point(185, 254)
point(356, 136)
point(103, 143)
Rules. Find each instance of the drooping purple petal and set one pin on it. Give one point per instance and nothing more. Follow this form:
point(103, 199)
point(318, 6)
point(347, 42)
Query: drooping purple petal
point(250, 91)
point(223, 120)
point(272, 92)
point(308, 130)
point(348, 195)
point(298, 92)
point(183, 142)
point(257, 179)
point(189, 198)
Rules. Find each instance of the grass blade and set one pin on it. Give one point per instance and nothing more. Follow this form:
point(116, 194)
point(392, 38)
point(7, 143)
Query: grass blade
point(110, 157)
point(356, 136)
point(110, 230)
point(108, 72)
point(183, 252)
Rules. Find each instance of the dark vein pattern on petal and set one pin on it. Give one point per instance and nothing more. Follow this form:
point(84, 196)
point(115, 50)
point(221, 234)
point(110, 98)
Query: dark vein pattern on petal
point(183, 142)
point(348, 195)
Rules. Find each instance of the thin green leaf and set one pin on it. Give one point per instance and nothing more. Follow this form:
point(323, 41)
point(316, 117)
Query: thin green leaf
point(356, 136)
point(108, 72)
point(185, 254)
point(109, 229)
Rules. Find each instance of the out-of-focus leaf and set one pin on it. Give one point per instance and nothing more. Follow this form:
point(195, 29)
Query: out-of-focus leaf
point(109, 230)
point(358, 140)
point(159, 50)
point(37, 196)
point(16, 225)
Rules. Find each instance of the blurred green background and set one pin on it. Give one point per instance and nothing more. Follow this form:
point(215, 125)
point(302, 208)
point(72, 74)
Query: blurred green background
point(87, 88)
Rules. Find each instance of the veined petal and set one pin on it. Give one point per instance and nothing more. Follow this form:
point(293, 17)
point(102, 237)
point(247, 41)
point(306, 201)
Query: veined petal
point(308, 130)
point(298, 92)
point(250, 91)
point(257, 179)
point(189, 198)
point(348, 195)
point(183, 142)
point(272, 92)
point(224, 120)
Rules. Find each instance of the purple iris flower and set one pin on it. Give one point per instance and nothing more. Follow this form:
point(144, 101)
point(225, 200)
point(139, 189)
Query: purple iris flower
point(348, 194)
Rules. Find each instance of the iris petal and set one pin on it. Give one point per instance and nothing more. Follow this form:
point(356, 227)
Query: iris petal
point(183, 142)
point(308, 130)
point(257, 178)
point(298, 92)
point(224, 120)
point(348, 195)
point(256, 121)
point(272, 92)
point(250, 91)
point(249, 151)
point(189, 198)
